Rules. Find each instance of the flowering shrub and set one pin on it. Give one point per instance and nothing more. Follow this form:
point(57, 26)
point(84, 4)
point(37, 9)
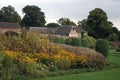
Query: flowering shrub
point(30, 52)
point(25, 63)
point(80, 61)
point(21, 57)
point(92, 59)
point(63, 59)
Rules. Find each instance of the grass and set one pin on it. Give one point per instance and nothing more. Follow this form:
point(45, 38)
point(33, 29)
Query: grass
point(111, 74)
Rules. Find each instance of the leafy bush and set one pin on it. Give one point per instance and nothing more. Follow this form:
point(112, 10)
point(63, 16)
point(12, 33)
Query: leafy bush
point(68, 41)
point(102, 46)
point(63, 59)
point(90, 40)
point(118, 49)
point(53, 68)
point(30, 42)
point(59, 40)
point(91, 57)
point(26, 68)
point(85, 43)
point(75, 42)
point(7, 64)
point(113, 37)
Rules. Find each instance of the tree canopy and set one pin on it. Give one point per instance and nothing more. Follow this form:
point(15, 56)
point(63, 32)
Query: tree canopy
point(66, 21)
point(82, 23)
point(52, 25)
point(97, 24)
point(33, 16)
point(8, 14)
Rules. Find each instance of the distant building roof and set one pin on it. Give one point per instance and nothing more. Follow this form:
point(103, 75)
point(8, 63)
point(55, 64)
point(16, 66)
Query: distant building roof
point(64, 29)
point(39, 29)
point(9, 25)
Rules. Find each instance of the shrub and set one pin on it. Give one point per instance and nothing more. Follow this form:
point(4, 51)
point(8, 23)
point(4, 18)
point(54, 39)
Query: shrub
point(63, 59)
point(7, 64)
point(26, 68)
point(118, 49)
point(90, 40)
point(102, 46)
point(75, 42)
point(85, 43)
point(113, 37)
point(53, 68)
point(68, 41)
point(93, 58)
point(59, 40)
point(80, 61)
point(3, 41)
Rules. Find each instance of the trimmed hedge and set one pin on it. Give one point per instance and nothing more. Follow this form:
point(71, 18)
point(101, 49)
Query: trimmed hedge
point(85, 43)
point(102, 46)
point(90, 40)
point(68, 41)
point(75, 42)
point(59, 40)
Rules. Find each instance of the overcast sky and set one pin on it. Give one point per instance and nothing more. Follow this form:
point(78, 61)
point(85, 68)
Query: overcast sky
point(73, 9)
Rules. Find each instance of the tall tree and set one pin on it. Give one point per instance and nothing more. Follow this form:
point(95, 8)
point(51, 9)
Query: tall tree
point(82, 23)
point(8, 14)
point(97, 24)
point(33, 16)
point(66, 21)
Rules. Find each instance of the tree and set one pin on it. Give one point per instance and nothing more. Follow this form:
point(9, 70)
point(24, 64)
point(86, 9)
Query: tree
point(66, 21)
point(8, 14)
point(82, 23)
point(113, 37)
point(116, 31)
point(33, 16)
point(97, 24)
point(52, 25)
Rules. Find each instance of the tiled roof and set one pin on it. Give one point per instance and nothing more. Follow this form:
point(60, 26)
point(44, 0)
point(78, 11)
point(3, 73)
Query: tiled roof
point(63, 29)
point(9, 25)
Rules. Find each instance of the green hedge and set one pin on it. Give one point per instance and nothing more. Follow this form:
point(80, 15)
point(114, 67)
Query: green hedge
point(90, 40)
point(102, 46)
point(75, 42)
point(85, 43)
point(68, 41)
point(59, 40)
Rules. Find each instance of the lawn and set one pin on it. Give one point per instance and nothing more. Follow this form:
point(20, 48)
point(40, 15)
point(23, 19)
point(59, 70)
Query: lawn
point(111, 74)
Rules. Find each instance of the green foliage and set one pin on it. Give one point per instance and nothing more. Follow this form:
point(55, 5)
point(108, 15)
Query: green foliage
point(68, 41)
point(91, 41)
point(116, 31)
point(82, 23)
point(97, 24)
point(118, 49)
point(26, 68)
point(113, 37)
point(85, 43)
point(59, 40)
point(33, 16)
point(66, 21)
point(8, 14)
point(7, 64)
point(102, 46)
point(75, 42)
point(52, 25)
point(53, 68)
point(27, 43)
